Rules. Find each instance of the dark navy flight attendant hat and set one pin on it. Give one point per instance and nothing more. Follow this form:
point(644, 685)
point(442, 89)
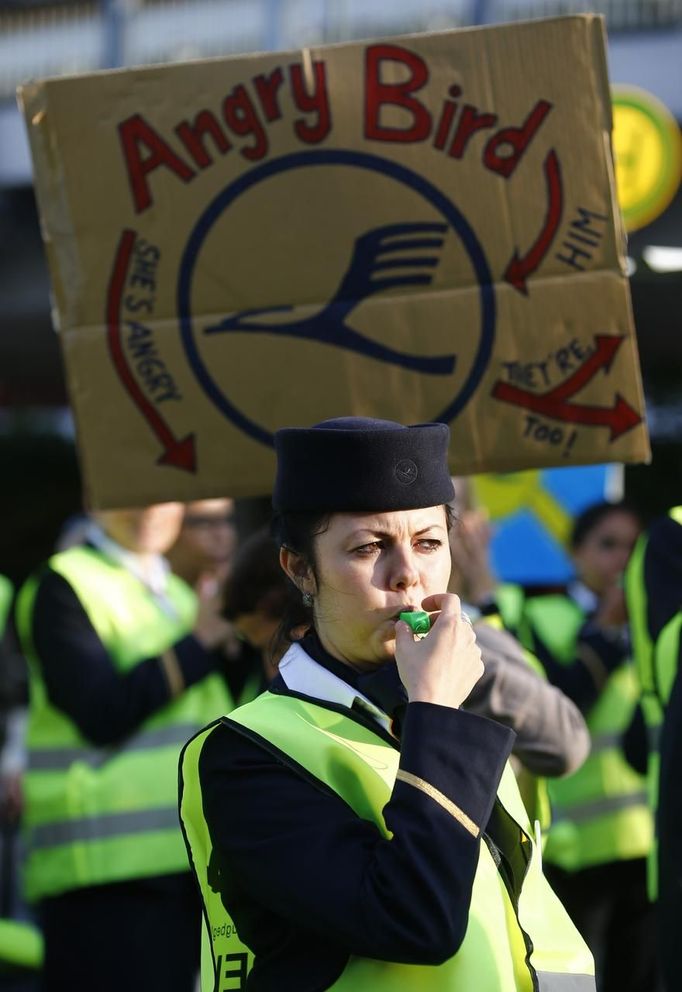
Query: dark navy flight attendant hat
point(362, 465)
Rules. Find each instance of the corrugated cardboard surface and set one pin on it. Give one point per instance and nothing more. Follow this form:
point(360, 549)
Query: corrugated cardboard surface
point(419, 228)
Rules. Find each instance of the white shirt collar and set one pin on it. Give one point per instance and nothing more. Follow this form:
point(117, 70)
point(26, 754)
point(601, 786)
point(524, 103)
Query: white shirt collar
point(302, 674)
point(587, 600)
point(151, 570)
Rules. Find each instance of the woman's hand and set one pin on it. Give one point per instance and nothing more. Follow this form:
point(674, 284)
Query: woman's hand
point(210, 629)
point(444, 666)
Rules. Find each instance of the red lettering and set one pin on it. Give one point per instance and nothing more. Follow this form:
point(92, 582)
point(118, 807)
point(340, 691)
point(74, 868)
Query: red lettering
point(137, 136)
point(308, 103)
point(517, 138)
point(446, 118)
point(266, 88)
point(241, 117)
point(192, 135)
point(379, 94)
point(470, 121)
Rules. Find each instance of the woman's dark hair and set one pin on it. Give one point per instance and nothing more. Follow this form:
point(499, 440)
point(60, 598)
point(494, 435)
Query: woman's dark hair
point(590, 518)
point(297, 533)
point(256, 580)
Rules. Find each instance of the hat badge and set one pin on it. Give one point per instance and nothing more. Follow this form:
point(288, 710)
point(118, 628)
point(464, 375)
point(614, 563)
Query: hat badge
point(406, 472)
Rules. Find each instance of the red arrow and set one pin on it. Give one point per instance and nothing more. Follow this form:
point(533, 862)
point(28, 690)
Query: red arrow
point(605, 348)
point(521, 267)
point(178, 452)
point(619, 418)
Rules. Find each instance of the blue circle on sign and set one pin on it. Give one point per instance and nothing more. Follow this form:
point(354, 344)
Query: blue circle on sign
point(360, 160)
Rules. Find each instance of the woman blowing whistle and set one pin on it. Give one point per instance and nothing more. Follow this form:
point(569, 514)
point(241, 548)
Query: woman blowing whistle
point(353, 828)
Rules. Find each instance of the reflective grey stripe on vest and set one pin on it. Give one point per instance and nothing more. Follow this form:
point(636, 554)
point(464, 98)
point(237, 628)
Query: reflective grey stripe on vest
point(104, 827)
point(582, 812)
point(605, 742)
point(53, 759)
point(653, 736)
point(550, 981)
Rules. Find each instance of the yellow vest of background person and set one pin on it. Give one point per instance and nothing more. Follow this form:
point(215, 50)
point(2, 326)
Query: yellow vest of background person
point(653, 699)
point(637, 600)
point(21, 945)
point(515, 942)
point(599, 813)
point(664, 671)
point(6, 593)
point(666, 653)
point(21, 949)
point(97, 815)
point(533, 788)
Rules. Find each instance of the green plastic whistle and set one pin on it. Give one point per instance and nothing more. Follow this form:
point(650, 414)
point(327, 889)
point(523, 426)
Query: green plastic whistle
point(418, 620)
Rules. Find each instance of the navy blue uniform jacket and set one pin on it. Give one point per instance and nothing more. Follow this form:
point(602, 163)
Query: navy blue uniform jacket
point(308, 883)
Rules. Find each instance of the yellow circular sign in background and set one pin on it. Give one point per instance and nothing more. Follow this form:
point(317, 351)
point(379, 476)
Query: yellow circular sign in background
point(647, 145)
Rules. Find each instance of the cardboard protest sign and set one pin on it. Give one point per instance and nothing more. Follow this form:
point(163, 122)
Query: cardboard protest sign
point(417, 229)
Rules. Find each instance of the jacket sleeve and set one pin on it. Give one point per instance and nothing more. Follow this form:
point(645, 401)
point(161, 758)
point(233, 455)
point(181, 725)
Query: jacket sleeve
point(669, 830)
point(81, 678)
point(551, 735)
point(299, 852)
point(663, 573)
point(598, 653)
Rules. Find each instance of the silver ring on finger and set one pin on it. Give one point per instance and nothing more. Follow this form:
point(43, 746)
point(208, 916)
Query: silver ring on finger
point(466, 618)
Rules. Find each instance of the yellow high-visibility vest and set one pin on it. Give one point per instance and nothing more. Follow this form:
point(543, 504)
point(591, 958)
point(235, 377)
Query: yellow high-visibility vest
point(95, 815)
point(6, 593)
point(652, 674)
point(600, 812)
point(517, 944)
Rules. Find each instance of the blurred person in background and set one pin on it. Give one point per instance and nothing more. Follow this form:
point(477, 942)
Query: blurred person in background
point(121, 674)
point(13, 709)
point(6, 595)
point(654, 595)
point(203, 550)
point(551, 737)
point(262, 604)
point(601, 828)
point(473, 576)
point(74, 531)
point(203, 555)
point(20, 941)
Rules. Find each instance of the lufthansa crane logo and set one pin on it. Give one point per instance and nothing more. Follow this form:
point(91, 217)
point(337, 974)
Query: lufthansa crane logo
point(406, 472)
point(397, 257)
point(376, 254)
